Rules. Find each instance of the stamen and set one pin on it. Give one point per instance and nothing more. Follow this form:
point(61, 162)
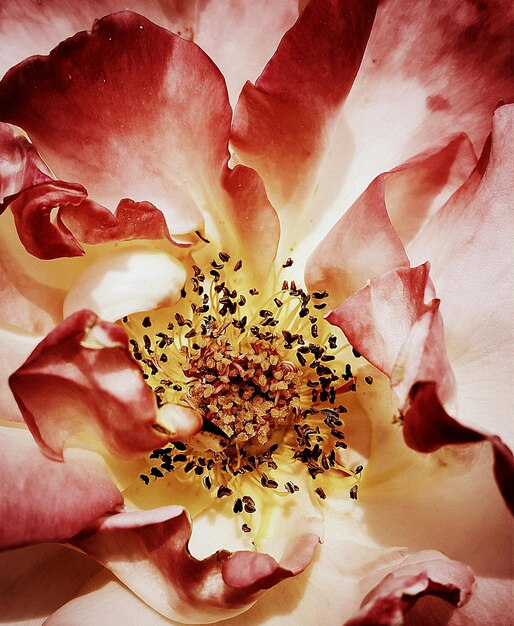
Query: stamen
point(262, 375)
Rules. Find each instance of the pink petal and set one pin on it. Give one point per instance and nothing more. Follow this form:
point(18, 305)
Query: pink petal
point(378, 319)
point(410, 88)
point(27, 186)
point(169, 579)
point(166, 147)
point(91, 223)
point(168, 139)
point(46, 500)
point(37, 580)
point(32, 210)
point(362, 244)
point(418, 575)
point(240, 38)
point(81, 376)
point(246, 203)
point(470, 246)
point(370, 237)
point(391, 323)
point(280, 122)
point(490, 604)
point(21, 165)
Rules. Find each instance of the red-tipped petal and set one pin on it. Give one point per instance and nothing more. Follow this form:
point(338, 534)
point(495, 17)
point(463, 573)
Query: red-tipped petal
point(47, 500)
point(240, 38)
point(91, 223)
point(280, 123)
point(20, 164)
point(426, 573)
point(470, 246)
point(167, 140)
point(410, 88)
point(32, 210)
point(378, 319)
point(370, 237)
point(81, 377)
point(175, 583)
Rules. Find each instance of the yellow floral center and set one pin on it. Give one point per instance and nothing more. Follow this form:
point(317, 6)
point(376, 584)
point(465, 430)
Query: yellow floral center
point(267, 376)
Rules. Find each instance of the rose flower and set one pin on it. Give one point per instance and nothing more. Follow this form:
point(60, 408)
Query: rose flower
point(256, 315)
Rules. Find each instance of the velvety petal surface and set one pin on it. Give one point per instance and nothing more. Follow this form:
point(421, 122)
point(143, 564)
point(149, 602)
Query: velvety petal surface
point(151, 79)
point(103, 596)
point(370, 237)
point(239, 37)
point(282, 123)
point(47, 500)
point(81, 377)
point(166, 146)
point(362, 245)
point(163, 573)
point(428, 72)
point(37, 580)
point(470, 245)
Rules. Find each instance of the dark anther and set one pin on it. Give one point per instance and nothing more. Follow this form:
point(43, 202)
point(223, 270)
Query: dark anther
point(200, 236)
point(223, 491)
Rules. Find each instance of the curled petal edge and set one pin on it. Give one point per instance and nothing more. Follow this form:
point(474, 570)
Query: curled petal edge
point(183, 587)
point(406, 342)
point(82, 377)
point(426, 573)
point(427, 427)
point(22, 166)
point(79, 219)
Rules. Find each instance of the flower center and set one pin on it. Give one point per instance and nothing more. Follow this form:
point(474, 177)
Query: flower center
point(267, 376)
